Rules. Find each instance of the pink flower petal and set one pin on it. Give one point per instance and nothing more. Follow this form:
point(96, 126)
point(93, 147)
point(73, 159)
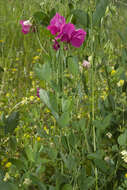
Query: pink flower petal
point(56, 23)
point(77, 38)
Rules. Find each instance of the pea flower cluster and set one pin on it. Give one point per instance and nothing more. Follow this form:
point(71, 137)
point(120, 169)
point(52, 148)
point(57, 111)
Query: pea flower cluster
point(26, 25)
point(38, 95)
point(65, 32)
point(86, 64)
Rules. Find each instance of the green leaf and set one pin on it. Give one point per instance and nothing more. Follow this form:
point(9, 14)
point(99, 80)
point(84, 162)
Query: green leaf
point(67, 187)
point(70, 161)
point(73, 65)
point(46, 99)
point(43, 72)
point(64, 119)
point(7, 186)
point(52, 153)
point(37, 182)
point(100, 11)
point(102, 165)
point(87, 183)
point(52, 13)
point(102, 125)
point(60, 180)
point(72, 139)
point(1, 69)
point(52, 188)
point(18, 163)
point(13, 142)
point(122, 139)
point(80, 17)
point(95, 155)
point(41, 18)
point(29, 153)
point(64, 142)
point(122, 35)
point(11, 122)
point(66, 104)
point(53, 102)
point(82, 123)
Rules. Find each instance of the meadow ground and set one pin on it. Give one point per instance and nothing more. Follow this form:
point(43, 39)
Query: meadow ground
point(63, 105)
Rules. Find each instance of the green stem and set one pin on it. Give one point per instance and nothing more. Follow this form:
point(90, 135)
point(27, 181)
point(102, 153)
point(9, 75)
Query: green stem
point(92, 86)
point(41, 44)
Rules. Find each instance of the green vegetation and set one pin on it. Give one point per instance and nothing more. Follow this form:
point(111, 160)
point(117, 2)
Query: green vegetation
point(63, 113)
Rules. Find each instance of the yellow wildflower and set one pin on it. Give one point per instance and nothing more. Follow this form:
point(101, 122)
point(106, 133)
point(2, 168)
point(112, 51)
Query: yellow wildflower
point(8, 165)
point(17, 59)
point(31, 74)
point(52, 127)
point(31, 98)
point(124, 94)
point(3, 161)
point(46, 130)
point(17, 175)
point(7, 95)
point(38, 139)
point(113, 72)
point(36, 58)
point(79, 116)
point(32, 89)
point(27, 136)
point(24, 100)
point(47, 110)
point(120, 83)
point(38, 50)
point(33, 83)
point(1, 41)
point(38, 99)
point(103, 97)
point(14, 70)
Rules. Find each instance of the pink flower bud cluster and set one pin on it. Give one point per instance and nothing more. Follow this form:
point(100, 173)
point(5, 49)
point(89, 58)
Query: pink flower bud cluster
point(26, 25)
point(38, 95)
point(65, 32)
point(86, 64)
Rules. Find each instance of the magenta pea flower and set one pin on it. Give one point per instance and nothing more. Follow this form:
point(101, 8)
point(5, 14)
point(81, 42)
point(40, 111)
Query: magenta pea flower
point(77, 38)
point(66, 32)
point(86, 64)
point(56, 24)
point(38, 92)
point(26, 25)
point(56, 45)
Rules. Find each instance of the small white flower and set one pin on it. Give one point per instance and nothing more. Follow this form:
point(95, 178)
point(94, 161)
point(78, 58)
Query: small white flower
point(7, 177)
point(109, 135)
point(27, 181)
point(124, 152)
point(27, 22)
point(86, 64)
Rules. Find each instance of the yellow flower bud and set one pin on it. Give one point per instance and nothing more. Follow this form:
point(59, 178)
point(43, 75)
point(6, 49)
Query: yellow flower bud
point(31, 98)
point(113, 72)
point(38, 139)
point(120, 83)
point(8, 165)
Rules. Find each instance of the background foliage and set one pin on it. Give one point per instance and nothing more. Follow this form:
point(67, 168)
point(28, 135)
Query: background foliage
point(74, 136)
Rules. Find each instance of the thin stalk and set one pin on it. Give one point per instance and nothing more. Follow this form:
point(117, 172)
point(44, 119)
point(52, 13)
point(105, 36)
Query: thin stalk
point(93, 96)
point(93, 116)
point(41, 44)
point(109, 86)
